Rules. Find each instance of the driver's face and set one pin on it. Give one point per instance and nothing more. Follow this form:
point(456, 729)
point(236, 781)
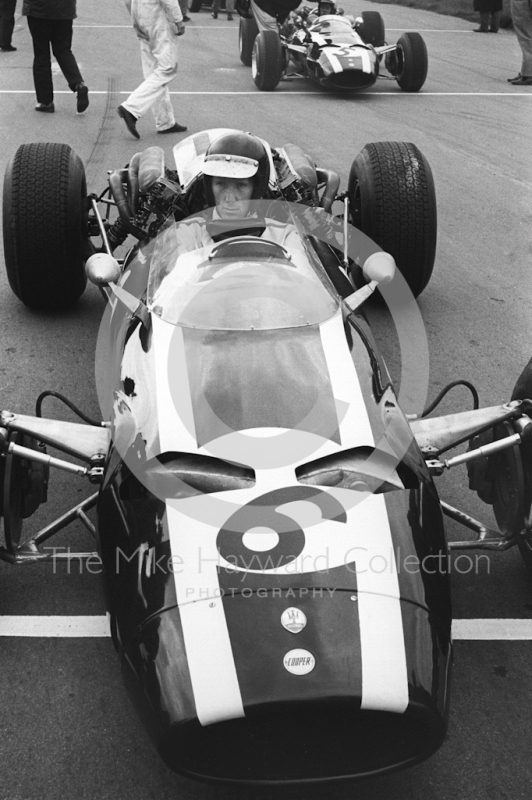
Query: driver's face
point(232, 196)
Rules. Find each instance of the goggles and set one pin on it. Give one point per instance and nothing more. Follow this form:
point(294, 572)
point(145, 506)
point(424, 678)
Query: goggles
point(219, 165)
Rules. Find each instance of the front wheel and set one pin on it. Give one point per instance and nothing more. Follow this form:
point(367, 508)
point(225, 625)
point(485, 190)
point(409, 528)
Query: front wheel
point(372, 28)
point(247, 33)
point(411, 62)
point(393, 201)
point(45, 225)
point(523, 390)
point(267, 61)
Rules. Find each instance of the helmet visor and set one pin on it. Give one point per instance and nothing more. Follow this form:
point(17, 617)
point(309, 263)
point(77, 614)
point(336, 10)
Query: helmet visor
point(219, 165)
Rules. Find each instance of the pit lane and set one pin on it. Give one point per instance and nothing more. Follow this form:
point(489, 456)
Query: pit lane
point(67, 727)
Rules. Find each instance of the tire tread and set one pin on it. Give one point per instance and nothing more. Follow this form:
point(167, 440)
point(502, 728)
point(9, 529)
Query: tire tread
point(43, 251)
point(402, 216)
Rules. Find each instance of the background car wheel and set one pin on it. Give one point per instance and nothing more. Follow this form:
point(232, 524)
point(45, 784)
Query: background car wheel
point(392, 199)
point(44, 220)
point(411, 62)
point(195, 5)
point(372, 28)
point(247, 33)
point(523, 390)
point(267, 61)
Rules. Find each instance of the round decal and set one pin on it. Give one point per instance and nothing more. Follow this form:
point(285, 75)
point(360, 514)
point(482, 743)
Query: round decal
point(293, 619)
point(299, 662)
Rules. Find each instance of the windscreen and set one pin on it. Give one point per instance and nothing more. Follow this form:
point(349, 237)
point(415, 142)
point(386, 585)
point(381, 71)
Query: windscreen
point(263, 278)
point(337, 30)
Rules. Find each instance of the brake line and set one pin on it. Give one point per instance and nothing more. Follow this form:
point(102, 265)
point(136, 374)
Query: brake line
point(67, 402)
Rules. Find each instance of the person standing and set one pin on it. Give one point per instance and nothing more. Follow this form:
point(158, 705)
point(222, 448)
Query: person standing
point(183, 5)
point(269, 14)
point(229, 7)
point(487, 9)
point(50, 23)
point(7, 24)
point(157, 23)
point(522, 20)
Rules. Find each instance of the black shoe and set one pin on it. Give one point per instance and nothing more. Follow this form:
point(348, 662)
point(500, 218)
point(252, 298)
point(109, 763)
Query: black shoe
point(522, 80)
point(82, 94)
point(493, 30)
point(130, 120)
point(176, 128)
point(511, 80)
point(48, 108)
point(480, 30)
point(8, 49)
point(186, 19)
point(214, 15)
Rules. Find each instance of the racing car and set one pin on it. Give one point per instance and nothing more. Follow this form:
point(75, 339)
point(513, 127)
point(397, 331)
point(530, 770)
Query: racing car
point(253, 468)
point(333, 50)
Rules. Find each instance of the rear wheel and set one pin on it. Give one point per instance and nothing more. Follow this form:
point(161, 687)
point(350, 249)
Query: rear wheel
point(393, 201)
point(247, 33)
point(267, 61)
point(45, 225)
point(411, 62)
point(372, 28)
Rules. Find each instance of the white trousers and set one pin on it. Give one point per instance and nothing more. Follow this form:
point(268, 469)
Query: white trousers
point(522, 20)
point(159, 67)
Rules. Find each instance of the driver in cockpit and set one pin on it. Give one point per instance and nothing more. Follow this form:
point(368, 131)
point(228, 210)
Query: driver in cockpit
point(236, 172)
point(324, 8)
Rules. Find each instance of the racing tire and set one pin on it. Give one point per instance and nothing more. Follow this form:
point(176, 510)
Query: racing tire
point(372, 29)
point(195, 6)
point(523, 390)
point(267, 62)
point(247, 33)
point(393, 201)
point(45, 225)
point(411, 62)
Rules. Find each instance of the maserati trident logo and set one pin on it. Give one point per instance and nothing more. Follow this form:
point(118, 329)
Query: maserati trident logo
point(293, 619)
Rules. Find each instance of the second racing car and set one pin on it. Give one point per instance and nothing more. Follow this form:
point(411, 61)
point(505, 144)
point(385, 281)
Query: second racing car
point(334, 50)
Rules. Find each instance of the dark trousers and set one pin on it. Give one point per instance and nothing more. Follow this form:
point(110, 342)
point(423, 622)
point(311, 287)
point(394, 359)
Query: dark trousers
point(485, 20)
point(57, 34)
point(7, 21)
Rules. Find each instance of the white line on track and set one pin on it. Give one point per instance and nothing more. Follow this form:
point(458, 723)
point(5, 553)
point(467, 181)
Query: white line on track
point(490, 629)
point(436, 30)
point(98, 626)
point(62, 626)
point(215, 27)
point(192, 27)
point(255, 93)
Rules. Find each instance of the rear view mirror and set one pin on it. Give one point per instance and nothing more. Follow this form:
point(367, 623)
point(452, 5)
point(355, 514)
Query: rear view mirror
point(379, 267)
point(102, 269)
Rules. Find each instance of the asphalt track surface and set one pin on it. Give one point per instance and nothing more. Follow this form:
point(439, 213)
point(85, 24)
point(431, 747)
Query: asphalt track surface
point(67, 729)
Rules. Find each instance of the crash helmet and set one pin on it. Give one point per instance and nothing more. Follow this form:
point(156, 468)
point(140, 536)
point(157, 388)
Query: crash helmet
point(237, 155)
point(326, 7)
